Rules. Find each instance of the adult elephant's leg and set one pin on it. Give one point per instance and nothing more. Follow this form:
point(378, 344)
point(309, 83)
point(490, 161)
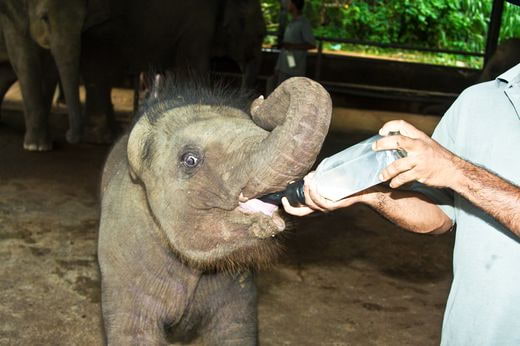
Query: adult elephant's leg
point(98, 74)
point(49, 81)
point(99, 113)
point(26, 59)
point(7, 79)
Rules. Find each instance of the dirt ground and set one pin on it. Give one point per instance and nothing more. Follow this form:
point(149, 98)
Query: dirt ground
point(347, 278)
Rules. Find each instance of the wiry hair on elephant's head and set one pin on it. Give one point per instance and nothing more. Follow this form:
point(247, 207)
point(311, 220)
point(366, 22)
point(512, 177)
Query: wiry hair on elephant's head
point(203, 155)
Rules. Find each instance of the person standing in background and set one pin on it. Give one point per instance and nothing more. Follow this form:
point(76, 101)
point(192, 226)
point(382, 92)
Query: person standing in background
point(297, 40)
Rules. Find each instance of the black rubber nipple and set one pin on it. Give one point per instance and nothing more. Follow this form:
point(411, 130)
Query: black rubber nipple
point(293, 192)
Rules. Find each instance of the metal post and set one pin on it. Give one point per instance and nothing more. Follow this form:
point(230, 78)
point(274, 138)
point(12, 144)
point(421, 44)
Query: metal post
point(494, 29)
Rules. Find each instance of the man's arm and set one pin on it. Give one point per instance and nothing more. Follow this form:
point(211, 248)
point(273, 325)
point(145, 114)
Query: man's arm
point(407, 209)
point(494, 195)
point(431, 164)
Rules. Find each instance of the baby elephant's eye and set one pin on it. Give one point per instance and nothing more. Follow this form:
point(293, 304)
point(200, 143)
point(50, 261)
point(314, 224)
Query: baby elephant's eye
point(190, 160)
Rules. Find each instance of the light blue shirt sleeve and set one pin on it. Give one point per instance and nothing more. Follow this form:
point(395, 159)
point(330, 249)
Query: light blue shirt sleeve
point(444, 134)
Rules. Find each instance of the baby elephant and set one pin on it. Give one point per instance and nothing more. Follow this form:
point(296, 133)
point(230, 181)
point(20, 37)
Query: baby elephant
point(181, 226)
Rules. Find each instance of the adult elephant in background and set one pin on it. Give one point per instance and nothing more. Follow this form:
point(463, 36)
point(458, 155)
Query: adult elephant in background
point(36, 37)
point(239, 36)
point(165, 35)
point(505, 57)
point(7, 75)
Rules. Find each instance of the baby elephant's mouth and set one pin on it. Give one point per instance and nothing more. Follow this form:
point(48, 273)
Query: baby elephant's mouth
point(257, 207)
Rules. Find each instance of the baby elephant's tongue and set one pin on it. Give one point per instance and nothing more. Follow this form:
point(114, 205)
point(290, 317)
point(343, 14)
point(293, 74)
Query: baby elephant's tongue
point(257, 206)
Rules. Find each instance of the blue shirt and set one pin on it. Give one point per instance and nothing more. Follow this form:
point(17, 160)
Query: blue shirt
point(483, 127)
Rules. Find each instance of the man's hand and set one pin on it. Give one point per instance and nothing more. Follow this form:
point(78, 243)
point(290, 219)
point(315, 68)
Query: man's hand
point(431, 164)
point(407, 209)
point(315, 202)
point(427, 161)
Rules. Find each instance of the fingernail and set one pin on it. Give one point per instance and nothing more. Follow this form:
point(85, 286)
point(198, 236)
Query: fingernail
point(381, 177)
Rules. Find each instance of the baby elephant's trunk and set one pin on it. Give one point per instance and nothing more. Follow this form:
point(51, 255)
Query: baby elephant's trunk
point(298, 115)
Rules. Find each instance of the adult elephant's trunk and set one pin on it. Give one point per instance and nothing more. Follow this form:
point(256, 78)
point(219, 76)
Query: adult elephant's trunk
point(66, 51)
point(298, 115)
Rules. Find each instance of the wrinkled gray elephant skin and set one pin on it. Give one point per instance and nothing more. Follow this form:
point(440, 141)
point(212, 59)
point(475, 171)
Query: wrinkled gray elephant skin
point(166, 35)
point(181, 228)
point(505, 57)
point(36, 36)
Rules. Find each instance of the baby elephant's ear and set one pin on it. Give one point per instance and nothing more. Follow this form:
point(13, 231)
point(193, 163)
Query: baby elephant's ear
point(138, 147)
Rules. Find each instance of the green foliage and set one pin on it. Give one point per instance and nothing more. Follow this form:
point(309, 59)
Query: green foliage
point(446, 24)
point(271, 10)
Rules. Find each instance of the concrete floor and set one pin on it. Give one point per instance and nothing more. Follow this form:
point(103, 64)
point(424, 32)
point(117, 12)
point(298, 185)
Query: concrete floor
point(347, 278)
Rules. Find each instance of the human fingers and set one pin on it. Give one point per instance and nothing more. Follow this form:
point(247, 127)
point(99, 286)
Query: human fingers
point(315, 201)
point(347, 202)
point(395, 168)
point(318, 202)
point(312, 198)
point(403, 127)
point(403, 178)
point(396, 142)
point(326, 205)
point(296, 211)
